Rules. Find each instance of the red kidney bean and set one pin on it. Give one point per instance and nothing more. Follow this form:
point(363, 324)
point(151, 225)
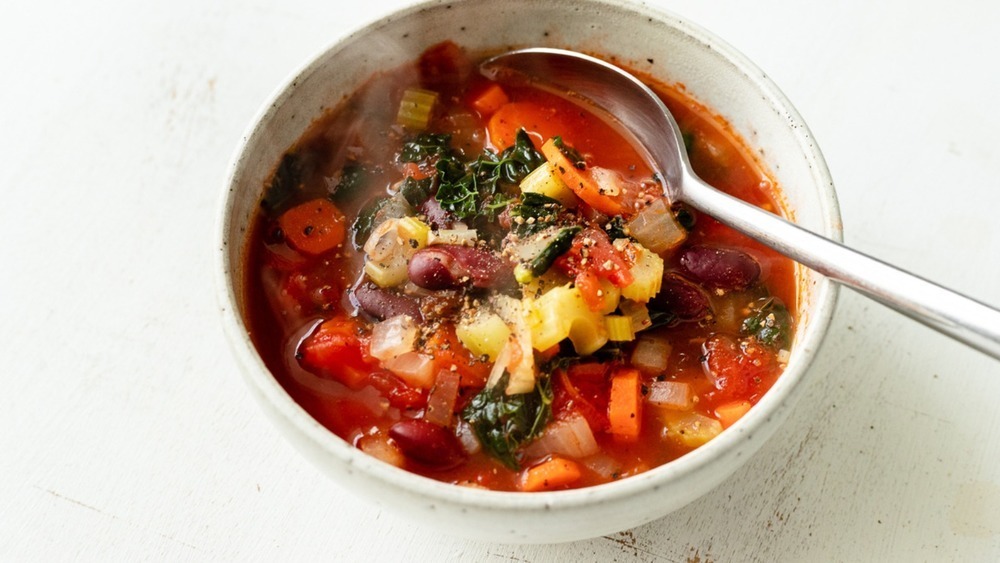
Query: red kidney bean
point(437, 216)
point(682, 298)
point(382, 303)
point(427, 443)
point(720, 268)
point(450, 266)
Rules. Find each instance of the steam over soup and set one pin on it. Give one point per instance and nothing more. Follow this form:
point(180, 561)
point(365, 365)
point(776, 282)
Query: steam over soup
point(481, 282)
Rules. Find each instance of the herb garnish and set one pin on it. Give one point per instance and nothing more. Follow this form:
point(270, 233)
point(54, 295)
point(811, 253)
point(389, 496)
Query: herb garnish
point(769, 322)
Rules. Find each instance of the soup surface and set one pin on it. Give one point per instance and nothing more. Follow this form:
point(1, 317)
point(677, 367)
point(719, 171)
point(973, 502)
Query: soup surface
point(481, 282)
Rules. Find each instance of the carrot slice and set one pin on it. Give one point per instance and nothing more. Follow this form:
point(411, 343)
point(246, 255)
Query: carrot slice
point(313, 227)
point(541, 122)
point(554, 473)
point(489, 100)
point(581, 182)
point(625, 405)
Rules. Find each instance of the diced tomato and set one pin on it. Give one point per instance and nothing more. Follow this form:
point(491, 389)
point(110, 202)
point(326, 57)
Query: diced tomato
point(582, 388)
point(444, 65)
point(400, 395)
point(334, 350)
point(739, 369)
point(345, 417)
point(448, 351)
point(593, 252)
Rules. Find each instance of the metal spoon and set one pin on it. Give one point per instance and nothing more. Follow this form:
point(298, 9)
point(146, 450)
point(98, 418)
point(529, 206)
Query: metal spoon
point(641, 113)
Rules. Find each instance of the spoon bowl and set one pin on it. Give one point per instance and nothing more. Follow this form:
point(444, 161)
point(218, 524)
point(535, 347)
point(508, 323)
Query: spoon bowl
point(644, 117)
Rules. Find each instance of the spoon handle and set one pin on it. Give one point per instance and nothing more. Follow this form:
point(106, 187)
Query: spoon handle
point(942, 309)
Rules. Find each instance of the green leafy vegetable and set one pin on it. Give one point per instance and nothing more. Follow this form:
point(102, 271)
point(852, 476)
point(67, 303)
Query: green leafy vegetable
point(769, 322)
point(353, 179)
point(513, 164)
point(478, 188)
point(570, 153)
point(503, 422)
point(424, 146)
point(534, 213)
point(294, 168)
point(616, 228)
point(460, 197)
point(415, 192)
point(365, 222)
point(561, 242)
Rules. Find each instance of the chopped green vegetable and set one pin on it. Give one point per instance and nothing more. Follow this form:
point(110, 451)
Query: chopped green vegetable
point(476, 188)
point(616, 229)
point(415, 192)
point(534, 213)
point(570, 153)
point(292, 172)
point(503, 422)
point(513, 164)
point(353, 179)
point(561, 241)
point(424, 146)
point(769, 322)
point(365, 222)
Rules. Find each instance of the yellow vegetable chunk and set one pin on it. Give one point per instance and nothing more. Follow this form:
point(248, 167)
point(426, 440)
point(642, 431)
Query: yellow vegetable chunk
point(562, 313)
point(415, 108)
point(689, 429)
point(484, 334)
point(546, 181)
point(647, 271)
point(619, 328)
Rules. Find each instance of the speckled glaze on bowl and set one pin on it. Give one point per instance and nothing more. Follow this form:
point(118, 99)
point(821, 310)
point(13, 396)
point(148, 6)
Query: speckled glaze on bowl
point(654, 42)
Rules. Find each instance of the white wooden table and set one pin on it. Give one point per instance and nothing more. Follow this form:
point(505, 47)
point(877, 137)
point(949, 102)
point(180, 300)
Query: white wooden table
point(126, 432)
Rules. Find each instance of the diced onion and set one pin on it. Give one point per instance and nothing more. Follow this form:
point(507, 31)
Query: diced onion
point(604, 465)
point(467, 438)
point(656, 228)
point(670, 394)
point(379, 446)
point(783, 356)
point(520, 359)
point(571, 437)
point(608, 181)
point(414, 368)
point(393, 337)
point(651, 354)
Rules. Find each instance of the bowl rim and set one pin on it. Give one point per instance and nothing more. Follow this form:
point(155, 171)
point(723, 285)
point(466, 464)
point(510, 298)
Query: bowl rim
point(780, 397)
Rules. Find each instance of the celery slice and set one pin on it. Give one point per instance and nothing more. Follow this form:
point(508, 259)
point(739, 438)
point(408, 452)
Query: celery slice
point(415, 108)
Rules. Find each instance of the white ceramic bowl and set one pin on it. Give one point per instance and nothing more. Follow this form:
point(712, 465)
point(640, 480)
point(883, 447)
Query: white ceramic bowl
point(658, 43)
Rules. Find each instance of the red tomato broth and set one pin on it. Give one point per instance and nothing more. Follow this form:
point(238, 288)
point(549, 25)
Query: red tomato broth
point(289, 294)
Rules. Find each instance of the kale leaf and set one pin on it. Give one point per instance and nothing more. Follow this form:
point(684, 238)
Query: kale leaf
point(477, 189)
point(503, 422)
point(292, 172)
point(534, 213)
point(415, 192)
point(424, 146)
point(353, 179)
